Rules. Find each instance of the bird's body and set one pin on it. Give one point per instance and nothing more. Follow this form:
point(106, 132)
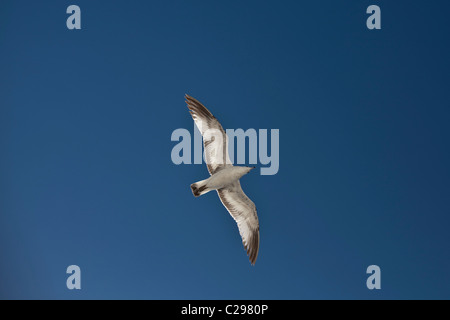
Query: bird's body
point(225, 177)
point(220, 179)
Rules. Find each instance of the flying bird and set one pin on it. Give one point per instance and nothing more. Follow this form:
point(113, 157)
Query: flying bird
point(225, 177)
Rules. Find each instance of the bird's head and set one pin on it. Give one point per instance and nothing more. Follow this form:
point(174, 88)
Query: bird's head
point(242, 170)
point(249, 169)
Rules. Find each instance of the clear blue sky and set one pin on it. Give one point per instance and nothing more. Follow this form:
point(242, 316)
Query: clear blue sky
point(86, 176)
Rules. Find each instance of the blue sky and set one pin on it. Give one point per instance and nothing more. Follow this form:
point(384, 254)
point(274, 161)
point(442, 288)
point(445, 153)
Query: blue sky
point(86, 176)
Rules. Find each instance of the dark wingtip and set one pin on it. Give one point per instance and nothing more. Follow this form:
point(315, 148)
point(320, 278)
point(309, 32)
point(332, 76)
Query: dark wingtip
point(197, 107)
point(253, 248)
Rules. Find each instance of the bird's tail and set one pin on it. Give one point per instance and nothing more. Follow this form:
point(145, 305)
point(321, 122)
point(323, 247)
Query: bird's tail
point(200, 188)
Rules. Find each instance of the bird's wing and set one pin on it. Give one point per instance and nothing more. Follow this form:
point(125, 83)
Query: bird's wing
point(215, 139)
point(243, 211)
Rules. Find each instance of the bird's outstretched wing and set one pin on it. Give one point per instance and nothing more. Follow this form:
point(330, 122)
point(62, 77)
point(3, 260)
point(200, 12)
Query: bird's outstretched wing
point(215, 139)
point(243, 211)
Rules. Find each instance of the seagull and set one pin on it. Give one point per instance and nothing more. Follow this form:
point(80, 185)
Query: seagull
point(225, 177)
